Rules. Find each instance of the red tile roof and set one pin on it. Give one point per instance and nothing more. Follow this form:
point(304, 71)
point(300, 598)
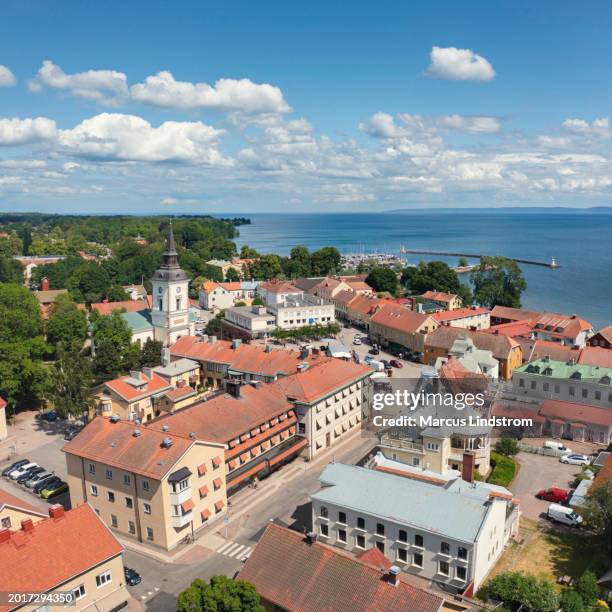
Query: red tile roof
point(114, 444)
point(7, 499)
point(56, 550)
point(563, 326)
point(225, 417)
point(402, 319)
point(514, 314)
point(445, 336)
point(2, 403)
point(278, 286)
point(105, 308)
point(579, 413)
point(375, 558)
point(596, 356)
point(513, 329)
point(516, 410)
point(251, 358)
point(606, 333)
point(537, 349)
point(439, 296)
point(319, 380)
point(129, 392)
point(460, 313)
point(302, 577)
point(367, 304)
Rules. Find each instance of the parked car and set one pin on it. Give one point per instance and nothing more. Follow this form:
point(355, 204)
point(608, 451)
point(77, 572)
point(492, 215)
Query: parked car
point(34, 479)
point(374, 351)
point(50, 416)
point(53, 489)
point(557, 446)
point(357, 341)
point(31, 472)
point(396, 364)
point(132, 577)
point(386, 363)
point(71, 433)
point(554, 494)
point(43, 483)
point(20, 471)
point(575, 459)
point(7, 470)
point(562, 514)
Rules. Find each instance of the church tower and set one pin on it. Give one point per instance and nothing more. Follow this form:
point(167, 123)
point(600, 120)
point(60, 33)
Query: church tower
point(170, 311)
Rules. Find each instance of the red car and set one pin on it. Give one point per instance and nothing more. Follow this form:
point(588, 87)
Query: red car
point(396, 364)
point(554, 494)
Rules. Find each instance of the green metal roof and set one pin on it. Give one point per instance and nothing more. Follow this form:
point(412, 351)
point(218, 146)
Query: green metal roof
point(566, 370)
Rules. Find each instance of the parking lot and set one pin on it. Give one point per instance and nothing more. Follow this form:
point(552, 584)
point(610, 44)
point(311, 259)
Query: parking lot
point(539, 472)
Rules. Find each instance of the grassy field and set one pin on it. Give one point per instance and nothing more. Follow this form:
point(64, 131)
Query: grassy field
point(504, 471)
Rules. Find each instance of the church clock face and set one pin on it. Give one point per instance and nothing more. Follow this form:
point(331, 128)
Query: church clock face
point(178, 289)
point(160, 290)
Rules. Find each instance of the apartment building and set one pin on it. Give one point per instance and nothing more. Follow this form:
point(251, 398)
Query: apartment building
point(395, 324)
point(222, 360)
point(296, 572)
point(407, 519)
point(276, 292)
point(13, 510)
point(218, 296)
point(569, 330)
point(295, 312)
point(474, 317)
point(449, 301)
point(148, 484)
point(329, 287)
point(68, 552)
point(602, 339)
point(248, 322)
point(507, 314)
point(256, 425)
point(329, 396)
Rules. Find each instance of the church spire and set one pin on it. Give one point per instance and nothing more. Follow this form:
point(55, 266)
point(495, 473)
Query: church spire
point(170, 254)
point(171, 247)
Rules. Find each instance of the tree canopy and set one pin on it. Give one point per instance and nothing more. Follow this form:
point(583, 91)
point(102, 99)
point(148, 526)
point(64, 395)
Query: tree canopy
point(382, 279)
point(435, 276)
point(498, 282)
point(221, 594)
point(67, 323)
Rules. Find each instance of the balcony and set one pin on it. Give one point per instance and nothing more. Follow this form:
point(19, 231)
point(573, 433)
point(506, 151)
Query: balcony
point(401, 444)
point(182, 520)
point(176, 499)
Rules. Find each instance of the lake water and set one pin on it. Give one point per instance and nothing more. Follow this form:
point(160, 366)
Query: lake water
point(581, 242)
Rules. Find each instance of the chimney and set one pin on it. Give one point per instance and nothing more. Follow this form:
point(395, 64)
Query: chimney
point(236, 343)
point(393, 575)
point(56, 511)
point(311, 537)
point(212, 339)
point(148, 372)
point(469, 466)
point(136, 375)
point(268, 348)
point(165, 357)
point(5, 535)
point(27, 524)
point(44, 284)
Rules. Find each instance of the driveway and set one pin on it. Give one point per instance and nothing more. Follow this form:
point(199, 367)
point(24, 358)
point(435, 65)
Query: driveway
point(539, 472)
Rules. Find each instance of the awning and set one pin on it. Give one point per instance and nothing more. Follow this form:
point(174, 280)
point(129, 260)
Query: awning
point(201, 469)
point(232, 464)
point(186, 506)
point(205, 514)
point(216, 461)
point(338, 429)
point(217, 482)
point(254, 451)
point(276, 439)
point(232, 482)
point(203, 491)
point(244, 457)
point(219, 505)
point(286, 453)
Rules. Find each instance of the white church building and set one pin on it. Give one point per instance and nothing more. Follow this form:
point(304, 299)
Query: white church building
point(169, 317)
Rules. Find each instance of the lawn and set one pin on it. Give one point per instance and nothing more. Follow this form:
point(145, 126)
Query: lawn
point(504, 471)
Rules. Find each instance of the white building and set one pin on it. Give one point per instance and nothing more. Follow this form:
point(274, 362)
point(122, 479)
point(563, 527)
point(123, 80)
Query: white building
point(450, 531)
point(252, 321)
point(218, 296)
point(276, 292)
point(296, 312)
point(477, 361)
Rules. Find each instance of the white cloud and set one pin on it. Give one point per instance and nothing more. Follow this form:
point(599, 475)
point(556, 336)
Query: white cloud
point(129, 138)
point(107, 86)
point(24, 131)
point(235, 95)
point(7, 78)
point(598, 127)
point(169, 201)
point(471, 125)
point(459, 65)
point(23, 164)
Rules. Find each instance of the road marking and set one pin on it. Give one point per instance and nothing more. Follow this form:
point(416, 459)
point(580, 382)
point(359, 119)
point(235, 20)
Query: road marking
point(247, 553)
point(225, 547)
point(231, 549)
point(236, 552)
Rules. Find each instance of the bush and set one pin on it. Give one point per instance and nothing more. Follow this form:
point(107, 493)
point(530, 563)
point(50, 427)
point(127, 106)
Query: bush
point(507, 446)
point(570, 601)
point(504, 470)
point(515, 590)
point(587, 588)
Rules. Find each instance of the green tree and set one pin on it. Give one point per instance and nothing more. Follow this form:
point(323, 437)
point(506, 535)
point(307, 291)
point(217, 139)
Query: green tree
point(266, 267)
point(11, 270)
point(515, 590)
point(117, 293)
point(151, 353)
point(570, 601)
point(299, 263)
point(222, 594)
point(72, 379)
point(232, 275)
point(507, 446)
point(435, 276)
point(463, 262)
point(90, 283)
point(586, 586)
point(112, 346)
point(598, 511)
point(67, 323)
point(258, 301)
point(325, 261)
point(498, 282)
point(26, 238)
point(215, 326)
point(382, 279)
point(246, 252)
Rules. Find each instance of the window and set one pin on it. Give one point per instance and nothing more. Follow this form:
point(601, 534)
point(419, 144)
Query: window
point(342, 517)
point(557, 388)
point(417, 560)
point(92, 468)
point(6, 523)
point(585, 393)
point(149, 533)
point(145, 485)
point(445, 548)
point(416, 461)
point(360, 522)
point(433, 446)
point(79, 592)
point(462, 553)
point(111, 496)
point(131, 527)
point(342, 536)
point(443, 568)
point(402, 554)
point(109, 474)
point(178, 303)
point(160, 304)
point(104, 578)
point(521, 382)
point(381, 547)
point(127, 480)
point(380, 529)
point(301, 428)
point(403, 535)
point(324, 513)
point(461, 573)
point(177, 487)
point(128, 502)
point(94, 490)
point(534, 384)
point(114, 522)
point(418, 540)
point(360, 541)
point(572, 390)
point(147, 508)
point(324, 529)
point(545, 385)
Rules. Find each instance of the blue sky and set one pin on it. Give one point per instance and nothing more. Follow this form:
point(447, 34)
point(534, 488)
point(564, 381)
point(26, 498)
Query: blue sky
point(318, 106)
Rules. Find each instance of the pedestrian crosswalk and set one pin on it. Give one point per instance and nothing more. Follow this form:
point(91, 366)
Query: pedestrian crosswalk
point(235, 550)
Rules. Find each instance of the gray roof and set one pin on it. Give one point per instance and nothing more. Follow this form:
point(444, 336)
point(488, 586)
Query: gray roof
point(180, 366)
point(456, 510)
point(139, 321)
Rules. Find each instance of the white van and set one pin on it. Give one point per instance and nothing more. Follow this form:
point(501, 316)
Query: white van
point(561, 514)
point(377, 366)
point(557, 446)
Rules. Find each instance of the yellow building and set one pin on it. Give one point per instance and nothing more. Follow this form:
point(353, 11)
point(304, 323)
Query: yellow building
point(147, 484)
point(14, 510)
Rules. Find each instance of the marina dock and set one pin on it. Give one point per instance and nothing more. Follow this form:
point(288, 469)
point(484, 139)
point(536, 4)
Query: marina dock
point(531, 262)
